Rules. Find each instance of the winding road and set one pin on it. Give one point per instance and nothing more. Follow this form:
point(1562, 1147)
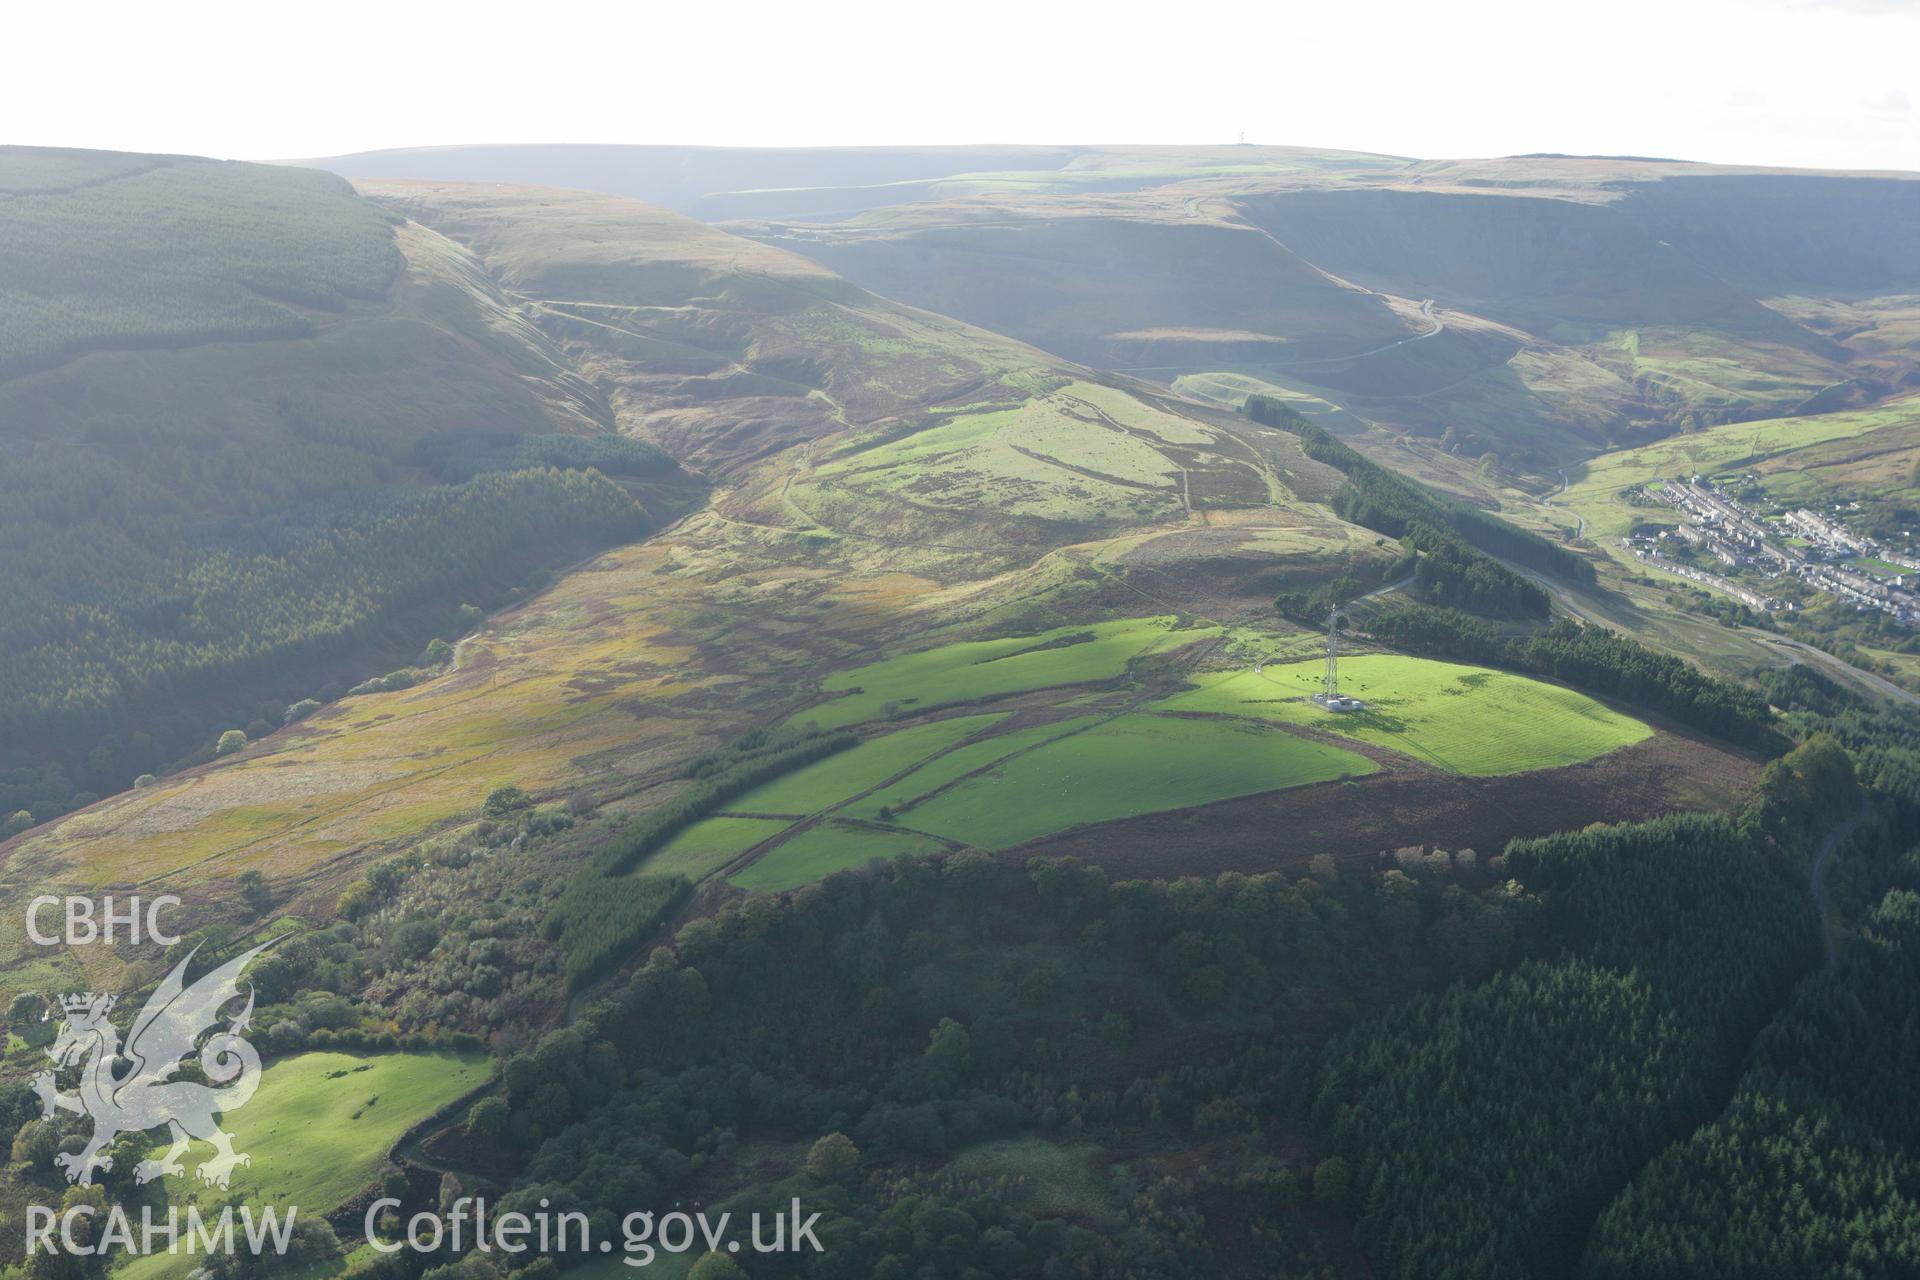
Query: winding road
point(1580, 531)
point(1381, 590)
point(1426, 312)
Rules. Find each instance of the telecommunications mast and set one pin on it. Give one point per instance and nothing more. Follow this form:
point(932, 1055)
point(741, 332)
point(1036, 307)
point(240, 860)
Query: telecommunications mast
point(1330, 696)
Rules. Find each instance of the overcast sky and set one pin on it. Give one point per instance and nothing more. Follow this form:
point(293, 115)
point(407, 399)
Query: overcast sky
point(1794, 82)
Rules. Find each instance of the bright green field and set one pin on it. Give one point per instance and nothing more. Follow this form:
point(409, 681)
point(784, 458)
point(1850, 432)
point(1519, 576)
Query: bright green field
point(988, 668)
point(820, 851)
point(318, 1138)
point(1126, 767)
point(956, 763)
point(710, 844)
point(319, 1130)
point(1462, 719)
point(849, 772)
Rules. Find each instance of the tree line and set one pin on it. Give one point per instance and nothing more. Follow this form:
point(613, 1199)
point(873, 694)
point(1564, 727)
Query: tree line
point(1882, 738)
point(1391, 503)
point(1590, 658)
point(606, 910)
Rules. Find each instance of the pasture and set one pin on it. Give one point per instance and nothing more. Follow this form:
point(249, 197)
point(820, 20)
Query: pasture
point(322, 1123)
point(1459, 719)
point(319, 1131)
point(1122, 768)
point(710, 844)
point(828, 782)
point(976, 669)
point(822, 850)
point(899, 798)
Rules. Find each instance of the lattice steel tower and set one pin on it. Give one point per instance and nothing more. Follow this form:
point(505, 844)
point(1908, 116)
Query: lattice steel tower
point(1332, 691)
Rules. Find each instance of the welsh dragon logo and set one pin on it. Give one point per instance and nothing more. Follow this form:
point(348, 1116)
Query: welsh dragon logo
point(142, 1096)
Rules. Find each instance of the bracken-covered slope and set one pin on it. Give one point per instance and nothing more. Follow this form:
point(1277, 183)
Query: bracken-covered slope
point(720, 349)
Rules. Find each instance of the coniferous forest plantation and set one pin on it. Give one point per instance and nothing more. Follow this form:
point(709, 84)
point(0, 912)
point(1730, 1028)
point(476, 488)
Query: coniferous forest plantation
point(1123, 712)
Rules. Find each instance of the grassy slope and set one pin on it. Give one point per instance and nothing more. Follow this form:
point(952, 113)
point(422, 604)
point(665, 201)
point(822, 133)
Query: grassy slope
point(710, 844)
point(1581, 301)
point(318, 1138)
point(1008, 789)
point(1622, 293)
point(1113, 281)
point(1715, 376)
point(901, 797)
point(320, 1129)
point(168, 251)
point(1040, 459)
point(838, 776)
point(1133, 765)
point(822, 850)
point(971, 670)
point(720, 349)
point(1005, 789)
point(1460, 719)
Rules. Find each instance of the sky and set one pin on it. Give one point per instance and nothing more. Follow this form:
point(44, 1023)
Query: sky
point(1817, 83)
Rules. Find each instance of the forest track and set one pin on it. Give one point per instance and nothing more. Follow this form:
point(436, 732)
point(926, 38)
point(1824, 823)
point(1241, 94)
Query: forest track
point(1817, 884)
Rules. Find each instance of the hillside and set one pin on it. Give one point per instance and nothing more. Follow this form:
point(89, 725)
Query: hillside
point(720, 350)
point(1534, 307)
point(888, 483)
point(804, 679)
point(1553, 311)
point(229, 405)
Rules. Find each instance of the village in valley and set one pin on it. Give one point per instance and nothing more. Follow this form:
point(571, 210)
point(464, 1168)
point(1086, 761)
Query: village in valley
point(1729, 544)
